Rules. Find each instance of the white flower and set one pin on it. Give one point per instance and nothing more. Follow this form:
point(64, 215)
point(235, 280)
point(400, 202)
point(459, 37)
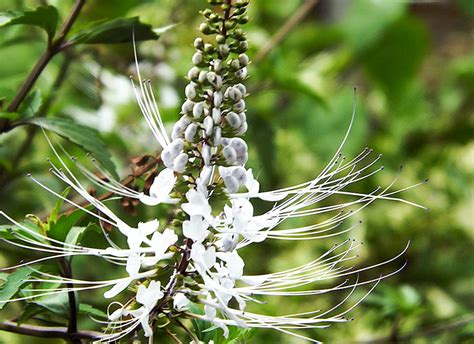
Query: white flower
point(197, 204)
point(196, 229)
point(180, 302)
point(160, 189)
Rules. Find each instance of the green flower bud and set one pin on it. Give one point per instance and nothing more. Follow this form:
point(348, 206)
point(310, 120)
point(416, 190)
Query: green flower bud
point(205, 29)
point(230, 24)
point(243, 19)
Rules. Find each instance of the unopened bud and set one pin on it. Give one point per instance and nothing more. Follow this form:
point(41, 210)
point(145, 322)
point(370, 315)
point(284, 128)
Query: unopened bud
point(193, 73)
point(187, 106)
point(230, 155)
point(239, 174)
point(242, 159)
point(243, 59)
point(234, 93)
point(239, 106)
point(220, 39)
point(202, 76)
point(242, 89)
point(217, 65)
point(241, 73)
point(233, 120)
point(179, 163)
point(190, 132)
point(239, 145)
point(224, 50)
point(167, 157)
point(176, 147)
point(208, 125)
point(243, 129)
point(217, 97)
point(199, 43)
point(217, 136)
point(206, 154)
point(198, 109)
point(190, 91)
point(197, 58)
point(216, 115)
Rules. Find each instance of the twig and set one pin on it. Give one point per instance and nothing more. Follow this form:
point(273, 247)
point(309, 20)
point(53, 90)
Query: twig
point(72, 325)
point(47, 332)
point(290, 24)
point(52, 50)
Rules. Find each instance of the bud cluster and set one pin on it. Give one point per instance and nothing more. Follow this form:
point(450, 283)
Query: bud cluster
point(213, 113)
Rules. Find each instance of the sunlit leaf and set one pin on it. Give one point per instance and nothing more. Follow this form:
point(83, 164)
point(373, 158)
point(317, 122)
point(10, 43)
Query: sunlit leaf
point(13, 284)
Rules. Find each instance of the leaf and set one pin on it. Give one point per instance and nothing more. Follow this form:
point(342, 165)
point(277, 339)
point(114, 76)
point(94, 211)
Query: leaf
point(81, 135)
point(53, 216)
point(29, 311)
point(89, 310)
point(76, 233)
point(30, 106)
point(45, 17)
point(12, 116)
point(119, 30)
point(13, 283)
point(60, 229)
point(391, 67)
point(55, 303)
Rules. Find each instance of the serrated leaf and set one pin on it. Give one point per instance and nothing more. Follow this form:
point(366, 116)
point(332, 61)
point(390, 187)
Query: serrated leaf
point(81, 135)
point(86, 309)
point(119, 30)
point(13, 284)
point(45, 17)
point(30, 106)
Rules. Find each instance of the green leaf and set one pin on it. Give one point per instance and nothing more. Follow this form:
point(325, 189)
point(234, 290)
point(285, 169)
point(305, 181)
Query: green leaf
point(392, 67)
point(119, 30)
point(30, 106)
point(55, 303)
point(13, 284)
point(45, 17)
point(76, 233)
point(89, 310)
point(53, 216)
point(59, 230)
point(29, 311)
point(81, 135)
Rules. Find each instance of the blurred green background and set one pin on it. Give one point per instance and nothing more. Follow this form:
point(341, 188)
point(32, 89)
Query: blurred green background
point(412, 63)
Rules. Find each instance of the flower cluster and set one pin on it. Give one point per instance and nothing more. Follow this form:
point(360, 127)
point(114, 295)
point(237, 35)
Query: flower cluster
point(205, 181)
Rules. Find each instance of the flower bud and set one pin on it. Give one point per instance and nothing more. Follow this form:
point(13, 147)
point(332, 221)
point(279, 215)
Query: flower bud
point(176, 147)
point(187, 106)
point(217, 65)
point(193, 73)
point(208, 125)
point(239, 145)
point(206, 154)
point(198, 109)
point(190, 91)
point(202, 76)
point(197, 58)
point(243, 129)
point(240, 105)
point(242, 159)
point(177, 132)
point(231, 184)
point(179, 163)
point(234, 93)
point(235, 64)
point(216, 115)
point(230, 155)
point(199, 43)
point(239, 174)
point(208, 48)
point(190, 132)
point(217, 96)
point(205, 29)
point(241, 73)
point(243, 117)
point(225, 141)
point(217, 136)
point(242, 89)
point(167, 157)
point(224, 50)
point(244, 60)
point(220, 39)
point(229, 242)
point(233, 120)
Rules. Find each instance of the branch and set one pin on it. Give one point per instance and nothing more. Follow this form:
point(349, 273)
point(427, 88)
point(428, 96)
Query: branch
point(281, 34)
point(43, 61)
point(47, 332)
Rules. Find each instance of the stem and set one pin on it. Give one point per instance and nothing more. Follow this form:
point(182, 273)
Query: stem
point(72, 326)
point(281, 34)
point(53, 48)
point(47, 332)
